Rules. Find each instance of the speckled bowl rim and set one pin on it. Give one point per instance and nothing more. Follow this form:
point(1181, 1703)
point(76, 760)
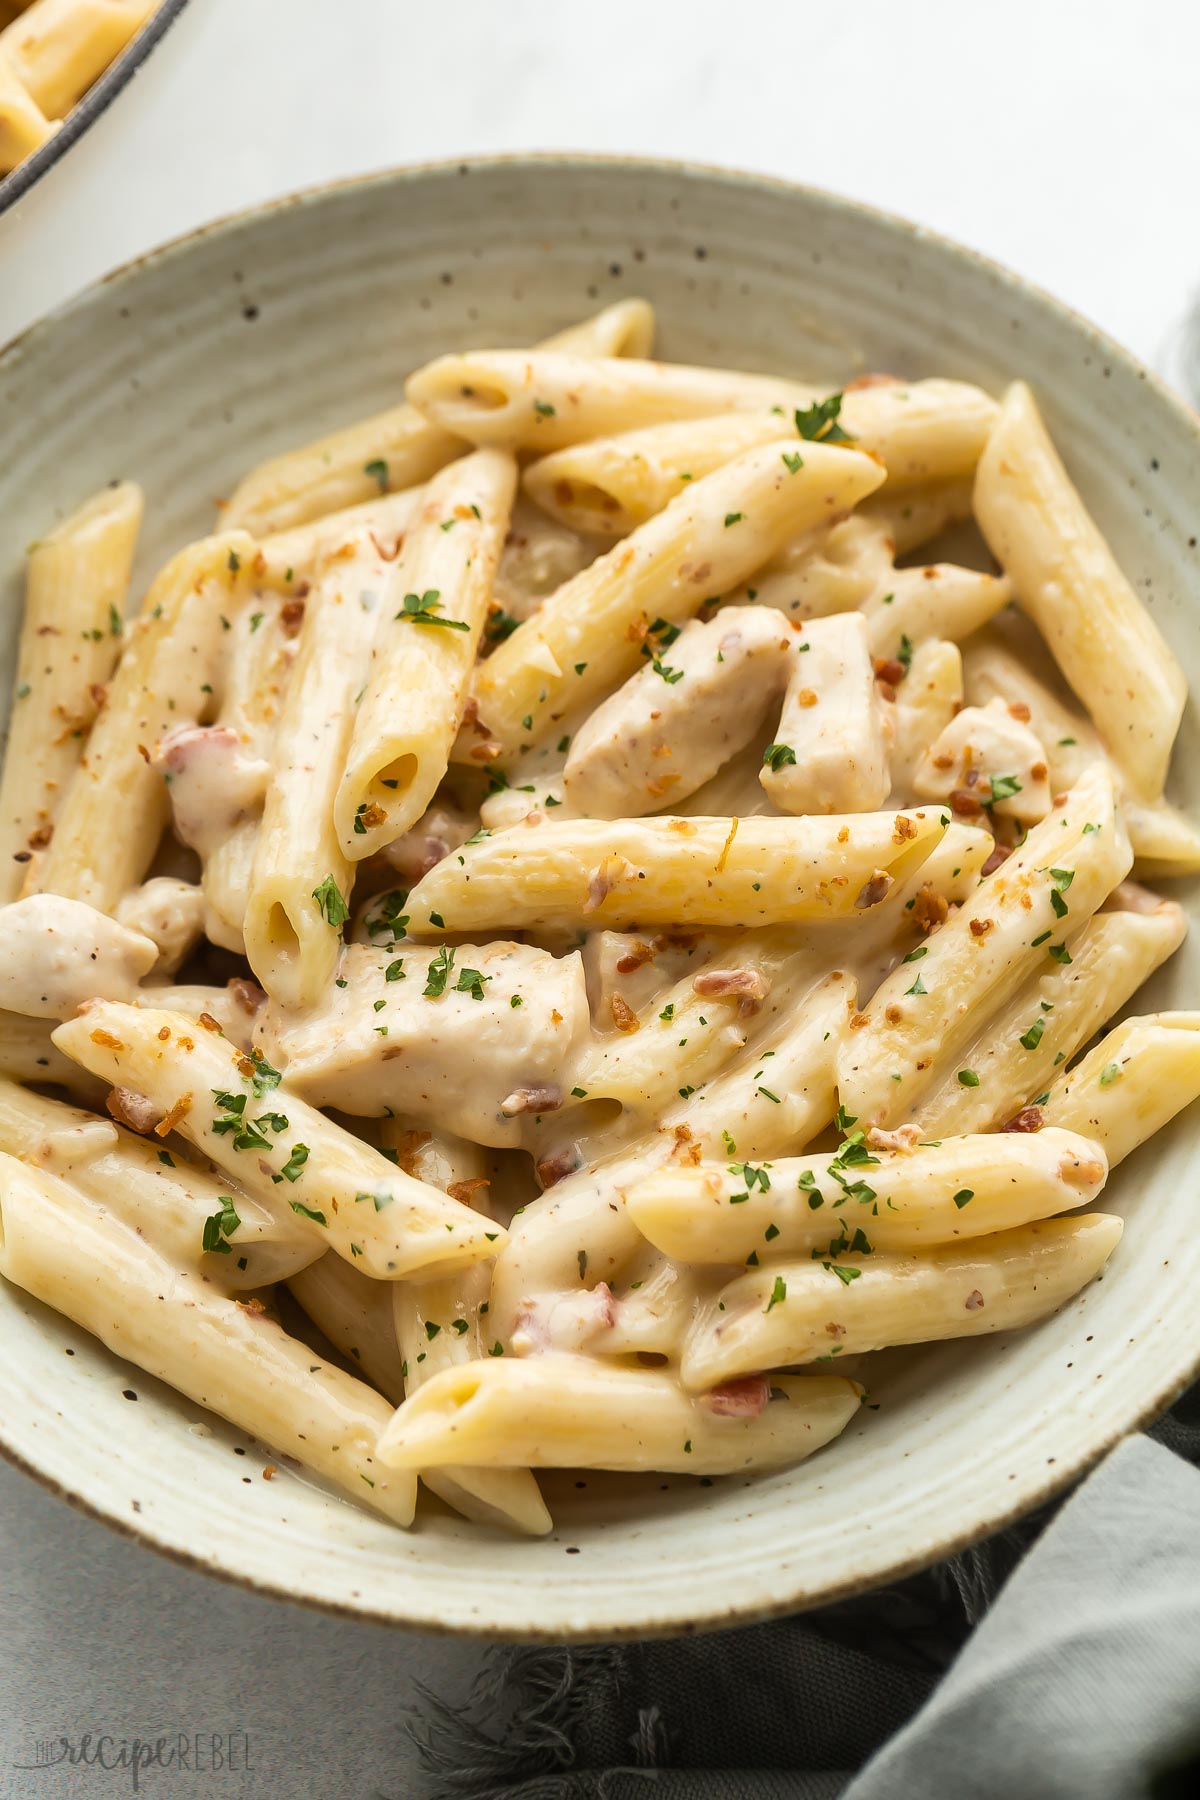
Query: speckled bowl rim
point(86, 111)
point(1173, 1381)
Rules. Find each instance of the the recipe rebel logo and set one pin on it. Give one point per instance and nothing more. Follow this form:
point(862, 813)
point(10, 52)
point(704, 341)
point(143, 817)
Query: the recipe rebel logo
point(216, 1753)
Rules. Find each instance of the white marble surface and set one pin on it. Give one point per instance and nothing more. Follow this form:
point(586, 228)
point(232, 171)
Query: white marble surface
point(1061, 136)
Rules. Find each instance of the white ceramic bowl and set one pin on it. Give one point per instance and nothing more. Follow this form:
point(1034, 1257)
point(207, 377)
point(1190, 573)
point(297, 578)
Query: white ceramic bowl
point(184, 369)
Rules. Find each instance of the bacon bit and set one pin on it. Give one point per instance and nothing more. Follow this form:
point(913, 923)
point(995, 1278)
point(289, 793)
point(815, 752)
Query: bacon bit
point(1028, 1119)
point(634, 957)
point(885, 690)
point(1076, 1172)
point(143, 753)
point(843, 836)
point(663, 784)
point(624, 1017)
point(870, 380)
point(1017, 709)
point(209, 1023)
point(132, 1109)
point(373, 815)
point(556, 1017)
point(727, 846)
point(248, 994)
point(889, 669)
point(470, 712)
point(930, 909)
point(981, 927)
point(893, 1015)
point(904, 1139)
point(291, 617)
point(37, 840)
point(872, 892)
point(392, 1052)
point(164, 1036)
point(746, 986)
point(552, 1169)
point(1039, 771)
point(532, 1099)
point(270, 1472)
point(742, 1399)
point(943, 761)
point(834, 1330)
point(170, 1120)
point(997, 856)
point(463, 1190)
point(386, 555)
point(974, 1300)
point(965, 803)
point(857, 1021)
point(485, 752)
point(904, 830)
point(107, 1041)
point(606, 1306)
point(806, 697)
point(637, 631)
point(243, 1064)
point(407, 1147)
point(612, 870)
point(253, 1305)
point(185, 1043)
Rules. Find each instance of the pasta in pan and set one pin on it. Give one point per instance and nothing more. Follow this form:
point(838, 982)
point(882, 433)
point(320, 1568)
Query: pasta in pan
point(546, 901)
point(50, 54)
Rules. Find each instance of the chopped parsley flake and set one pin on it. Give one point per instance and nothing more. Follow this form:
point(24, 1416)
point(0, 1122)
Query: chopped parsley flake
point(377, 469)
point(221, 1225)
point(331, 903)
point(439, 973)
point(819, 423)
point(778, 756)
point(424, 609)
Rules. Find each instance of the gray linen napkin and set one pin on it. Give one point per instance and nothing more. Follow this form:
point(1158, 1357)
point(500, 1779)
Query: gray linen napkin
point(1081, 1682)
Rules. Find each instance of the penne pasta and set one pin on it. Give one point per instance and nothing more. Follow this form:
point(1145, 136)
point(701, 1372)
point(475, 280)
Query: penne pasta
point(799, 1312)
point(543, 400)
point(440, 1325)
point(922, 1017)
point(71, 634)
point(1048, 1019)
point(1132, 1084)
point(865, 1198)
point(406, 721)
point(24, 127)
point(1165, 843)
point(923, 431)
point(496, 1414)
point(186, 1212)
point(355, 1314)
point(351, 1198)
point(57, 48)
point(1103, 639)
point(116, 807)
point(223, 1354)
point(300, 880)
point(653, 871)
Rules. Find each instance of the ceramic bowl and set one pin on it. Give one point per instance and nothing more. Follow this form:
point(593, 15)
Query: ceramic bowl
point(87, 110)
point(187, 367)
